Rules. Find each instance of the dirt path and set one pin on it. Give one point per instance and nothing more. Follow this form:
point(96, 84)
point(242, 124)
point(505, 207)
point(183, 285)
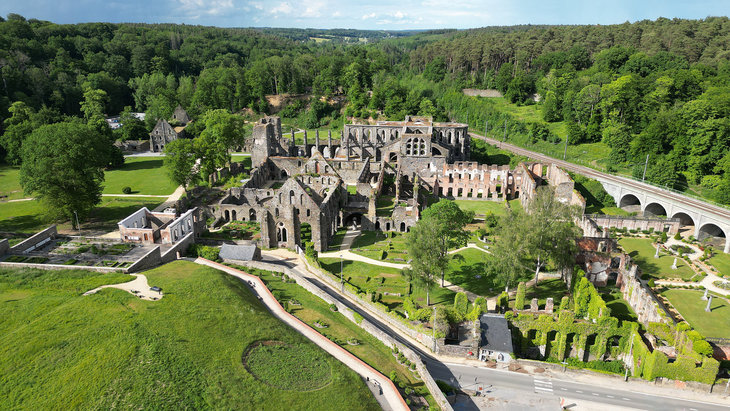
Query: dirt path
point(138, 287)
point(171, 200)
point(390, 398)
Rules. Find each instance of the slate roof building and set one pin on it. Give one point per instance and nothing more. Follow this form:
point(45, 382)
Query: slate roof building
point(496, 338)
point(239, 252)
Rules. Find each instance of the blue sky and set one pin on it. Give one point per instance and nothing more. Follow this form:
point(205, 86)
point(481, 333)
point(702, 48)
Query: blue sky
point(372, 14)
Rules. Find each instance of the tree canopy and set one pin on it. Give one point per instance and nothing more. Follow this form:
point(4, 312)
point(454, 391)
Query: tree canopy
point(63, 167)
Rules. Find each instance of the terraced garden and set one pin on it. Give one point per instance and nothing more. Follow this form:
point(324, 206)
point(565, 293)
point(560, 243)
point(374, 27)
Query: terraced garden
point(642, 252)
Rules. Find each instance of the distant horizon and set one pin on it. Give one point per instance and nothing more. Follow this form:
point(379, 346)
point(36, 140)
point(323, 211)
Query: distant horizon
point(375, 15)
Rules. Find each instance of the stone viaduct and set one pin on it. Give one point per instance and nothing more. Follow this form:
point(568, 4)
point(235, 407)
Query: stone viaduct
point(707, 219)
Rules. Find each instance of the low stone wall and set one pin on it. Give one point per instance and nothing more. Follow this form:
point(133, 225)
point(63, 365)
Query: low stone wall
point(363, 323)
point(181, 246)
point(636, 223)
point(4, 246)
point(63, 267)
point(32, 242)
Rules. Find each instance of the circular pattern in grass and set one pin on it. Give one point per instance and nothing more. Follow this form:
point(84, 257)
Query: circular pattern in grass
point(288, 367)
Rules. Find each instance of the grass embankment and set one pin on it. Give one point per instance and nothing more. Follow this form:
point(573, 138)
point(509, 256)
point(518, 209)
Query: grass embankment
point(642, 252)
point(373, 278)
point(311, 308)
point(372, 244)
point(29, 216)
point(553, 288)
point(721, 262)
point(59, 349)
point(690, 305)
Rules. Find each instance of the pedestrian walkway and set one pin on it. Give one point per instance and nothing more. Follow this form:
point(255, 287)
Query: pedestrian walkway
point(390, 397)
point(138, 287)
point(171, 199)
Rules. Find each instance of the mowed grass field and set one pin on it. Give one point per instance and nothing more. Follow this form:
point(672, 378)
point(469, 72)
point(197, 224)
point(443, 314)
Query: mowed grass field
point(144, 175)
point(28, 216)
point(716, 323)
point(480, 207)
point(642, 252)
point(62, 350)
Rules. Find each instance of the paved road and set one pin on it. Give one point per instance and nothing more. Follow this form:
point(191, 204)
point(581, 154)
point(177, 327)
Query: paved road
point(466, 374)
point(494, 380)
point(587, 171)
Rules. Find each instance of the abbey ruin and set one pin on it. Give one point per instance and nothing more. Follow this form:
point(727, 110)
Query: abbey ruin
point(327, 186)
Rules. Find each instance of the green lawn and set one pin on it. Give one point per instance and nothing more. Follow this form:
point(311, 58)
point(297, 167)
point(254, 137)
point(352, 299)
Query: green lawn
point(384, 206)
point(618, 306)
point(371, 244)
point(10, 183)
point(642, 252)
point(246, 159)
point(471, 270)
point(144, 175)
point(554, 288)
point(61, 350)
point(340, 330)
point(481, 207)
point(716, 323)
point(369, 277)
point(28, 216)
point(721, 262)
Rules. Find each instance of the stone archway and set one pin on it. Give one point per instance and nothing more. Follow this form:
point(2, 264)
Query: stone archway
point(712, 234)
point(655, 209)
point(630, 202)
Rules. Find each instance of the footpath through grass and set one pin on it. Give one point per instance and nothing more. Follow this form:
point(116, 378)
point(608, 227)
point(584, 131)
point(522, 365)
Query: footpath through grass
point(642, 252)
point(10, 188)
point(690, 305)
point(61, 350)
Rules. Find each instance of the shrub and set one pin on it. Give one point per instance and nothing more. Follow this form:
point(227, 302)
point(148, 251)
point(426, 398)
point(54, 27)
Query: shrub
point(357, 317)
point(204, 251)
point(309, 250)
point(127, 190)
point(663, 238)
point(702, 347)
point(520, 296)
point(509, 315)
point(333, 307)
point(652, 284)
point(564, 304)
point(677, 236)
point(461, 303)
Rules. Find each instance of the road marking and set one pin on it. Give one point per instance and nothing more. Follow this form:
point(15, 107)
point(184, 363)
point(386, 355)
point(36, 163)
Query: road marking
point(564, 389)
point(545, 386)
point(595, 393)
point(609, 396)
point(626, 399)
point(579, 391)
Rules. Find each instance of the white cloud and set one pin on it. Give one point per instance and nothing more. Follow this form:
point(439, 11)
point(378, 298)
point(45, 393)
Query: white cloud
point(399, 14)
point(369, 16)
point(282, 8)
point(194, 8)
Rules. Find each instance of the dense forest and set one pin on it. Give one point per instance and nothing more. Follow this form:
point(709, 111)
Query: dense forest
point(658, 88)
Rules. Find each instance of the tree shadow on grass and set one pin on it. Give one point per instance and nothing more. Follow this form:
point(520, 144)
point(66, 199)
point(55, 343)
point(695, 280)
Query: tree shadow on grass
point(140, 165)
point(466, 277)
point(24, 223)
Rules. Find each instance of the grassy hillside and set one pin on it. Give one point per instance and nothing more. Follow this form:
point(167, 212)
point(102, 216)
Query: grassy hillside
point(62, 350)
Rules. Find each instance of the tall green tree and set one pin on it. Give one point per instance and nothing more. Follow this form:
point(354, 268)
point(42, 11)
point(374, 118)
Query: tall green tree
point(63, 167)
point(180, 162)
point(223, 132)
point(17, 128)
point(448, 222)
point(426, 260)
point(546, 232)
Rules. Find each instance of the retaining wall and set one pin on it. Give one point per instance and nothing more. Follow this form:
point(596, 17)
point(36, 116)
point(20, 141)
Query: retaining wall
point(30, 243)
point(4, 246)
point(636, 223)
point(363, 323)
point(63, 267)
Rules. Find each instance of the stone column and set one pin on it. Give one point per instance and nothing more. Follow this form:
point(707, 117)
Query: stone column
point(316, 139)
point(345, 144)
point(709, 302)
point(329, 142)
point(306, 153)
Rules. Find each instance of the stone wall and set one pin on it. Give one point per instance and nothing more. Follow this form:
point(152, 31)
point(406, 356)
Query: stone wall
point(362, 323)
point(639, 296)
point(63, 267)
point(152, 259)
point(36, 240)
point(635, 223)
point(4, 246)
